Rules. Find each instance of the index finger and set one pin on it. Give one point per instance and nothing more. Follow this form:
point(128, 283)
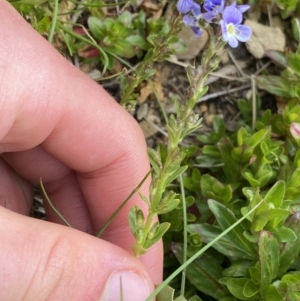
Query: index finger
point(47, 101)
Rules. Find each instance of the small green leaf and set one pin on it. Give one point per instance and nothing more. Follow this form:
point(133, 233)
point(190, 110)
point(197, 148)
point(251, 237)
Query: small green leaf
point(276, 194)
point(285, 235)
point(294, 62)
point(204, 273)
point(290, 251)
point(296, 28)
point(274, 85)
point(212, 188)
point(250, 289)
point(166, 294)
point(125, 18)
point(273, 294)
point(137, 41)
point(223, 245)
point(175, 174)
point(156, 233)
point(225, 219)
point(255, 274)
point(236, 288)
point(268, 249)
point(238, 269)
point(97, 28)
point(278, 57)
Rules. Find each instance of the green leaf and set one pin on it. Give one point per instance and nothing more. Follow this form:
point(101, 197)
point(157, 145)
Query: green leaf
point(255, 274)
point(156, 233)
point(212, 188)
point(223, 245)
point(250, 289)
point(167, 294)
point(204, 273)
point(294, 62)
point(285, 235)
point(225, 219)
point(276, 194)
point(273, 294)
point(274, 85)
point(296, 28)
point(257, 137)
point(122, 48)
point(155, 160)
point(274, 216)
point(125, 18)
point(268, 250)
point(290, 251)
point(168, 203)
point(137, 41)
point(278, 57)
point(236, 287)
point(238, 269)
point(97, 28)
point(171, 177)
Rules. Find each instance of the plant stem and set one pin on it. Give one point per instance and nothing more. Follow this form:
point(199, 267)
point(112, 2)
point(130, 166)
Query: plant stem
point(54, 21)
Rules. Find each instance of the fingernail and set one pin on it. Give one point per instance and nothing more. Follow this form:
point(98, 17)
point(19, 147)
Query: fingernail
point(131, 286)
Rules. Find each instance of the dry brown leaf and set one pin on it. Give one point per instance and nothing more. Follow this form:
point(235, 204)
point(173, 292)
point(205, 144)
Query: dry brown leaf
point(146, 90)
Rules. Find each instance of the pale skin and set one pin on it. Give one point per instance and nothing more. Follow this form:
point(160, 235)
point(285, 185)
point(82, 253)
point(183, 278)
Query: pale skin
point(58, 125)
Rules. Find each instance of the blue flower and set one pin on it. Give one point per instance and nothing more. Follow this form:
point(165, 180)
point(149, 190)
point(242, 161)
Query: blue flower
point(213, 8)
point(232, 30)
point(184, 6)
point(192, 22)
point(241, 8)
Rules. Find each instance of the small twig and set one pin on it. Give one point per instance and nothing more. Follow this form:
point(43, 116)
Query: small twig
point(156, 127)
point(266, 65)
point(52, 206)
point(208, 166)
point(217, 94)
point(112, 217)
point(253, 86)
point(236, 64)
point(184, 215)
point(270, 15)
point(158, 100)
point(117, 8)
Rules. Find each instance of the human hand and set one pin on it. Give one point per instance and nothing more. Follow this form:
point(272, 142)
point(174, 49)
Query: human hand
point(60, 126)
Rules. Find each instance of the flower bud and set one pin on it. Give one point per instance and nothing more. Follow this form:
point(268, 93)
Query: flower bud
point(295, 131)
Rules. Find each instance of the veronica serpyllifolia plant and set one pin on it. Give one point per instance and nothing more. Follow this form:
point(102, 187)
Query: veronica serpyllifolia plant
point(223, 23)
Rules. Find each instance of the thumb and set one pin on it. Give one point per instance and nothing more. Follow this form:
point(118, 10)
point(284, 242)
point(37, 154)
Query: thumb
point(45, 261)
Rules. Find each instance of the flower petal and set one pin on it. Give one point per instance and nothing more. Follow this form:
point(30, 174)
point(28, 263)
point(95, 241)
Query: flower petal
point(243, 32)
point(232, 15)
point(184, 6)
point(196, 10)
point(189, 20)
point(232, 41)
point(208, 17)
point(224, 30)
point(243, 8)
point(209, 5)
point(197, 31)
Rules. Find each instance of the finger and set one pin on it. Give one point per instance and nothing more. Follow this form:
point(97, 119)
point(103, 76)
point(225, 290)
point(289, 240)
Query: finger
point(66, 265)
point(15, 193)
point(60, 183)
point(47, 103)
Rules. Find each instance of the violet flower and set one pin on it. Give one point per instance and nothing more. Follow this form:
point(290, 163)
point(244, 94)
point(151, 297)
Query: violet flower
point(232, 30)
point(192, 22)
point(241, 8)
point(184, 6)
point(213, 8)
